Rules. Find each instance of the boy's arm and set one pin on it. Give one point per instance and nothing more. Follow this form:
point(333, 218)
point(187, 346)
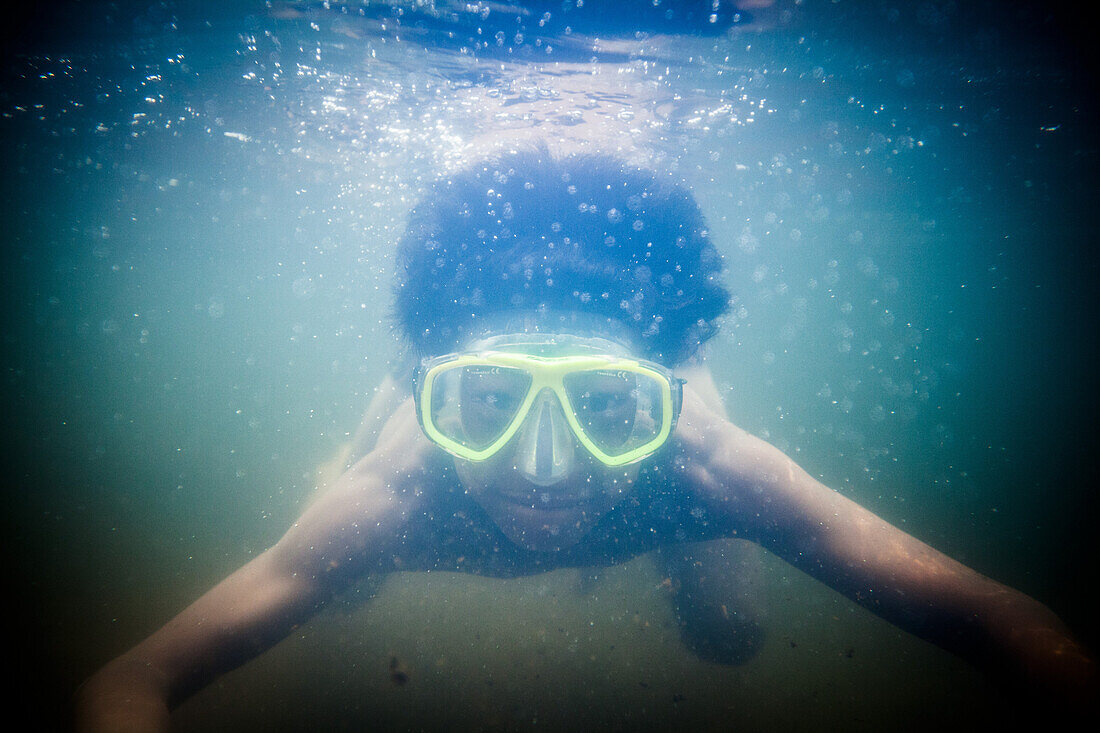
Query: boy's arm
point(345, 531)
point(772, 500)
point(246, 613)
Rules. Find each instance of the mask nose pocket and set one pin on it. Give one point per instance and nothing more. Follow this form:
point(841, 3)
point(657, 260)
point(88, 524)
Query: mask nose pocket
point(546, 449)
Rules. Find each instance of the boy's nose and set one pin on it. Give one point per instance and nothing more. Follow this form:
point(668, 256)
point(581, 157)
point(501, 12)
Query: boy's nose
point(546, 450)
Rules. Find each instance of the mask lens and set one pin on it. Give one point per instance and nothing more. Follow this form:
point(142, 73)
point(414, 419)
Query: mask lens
point(474, 405)
point(619, 410)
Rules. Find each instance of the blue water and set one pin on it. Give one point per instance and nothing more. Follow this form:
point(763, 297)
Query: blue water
point(200, 206)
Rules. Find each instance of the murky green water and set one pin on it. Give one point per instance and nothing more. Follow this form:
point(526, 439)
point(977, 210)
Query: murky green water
point(200, 207)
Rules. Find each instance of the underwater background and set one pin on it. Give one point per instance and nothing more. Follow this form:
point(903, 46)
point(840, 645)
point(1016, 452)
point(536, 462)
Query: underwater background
point(200, 205)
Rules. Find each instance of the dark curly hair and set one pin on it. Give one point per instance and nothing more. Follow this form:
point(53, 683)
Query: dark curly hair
point(589, 233)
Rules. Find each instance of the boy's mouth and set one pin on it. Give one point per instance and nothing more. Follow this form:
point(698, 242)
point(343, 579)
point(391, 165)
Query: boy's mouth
point(547, 499)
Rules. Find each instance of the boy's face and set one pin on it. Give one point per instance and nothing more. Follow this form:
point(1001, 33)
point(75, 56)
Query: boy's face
point(543, 488)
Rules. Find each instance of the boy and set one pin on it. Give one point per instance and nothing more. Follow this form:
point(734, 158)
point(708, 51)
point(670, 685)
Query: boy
point(555, 306)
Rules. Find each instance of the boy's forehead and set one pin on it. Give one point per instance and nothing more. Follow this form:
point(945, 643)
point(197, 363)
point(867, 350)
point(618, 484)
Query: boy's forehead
point(554, 330)
point(550, 344)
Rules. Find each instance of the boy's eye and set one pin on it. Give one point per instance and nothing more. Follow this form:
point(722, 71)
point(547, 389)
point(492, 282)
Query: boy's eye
point(493, 389)
point(493, 400)
point(604, 401)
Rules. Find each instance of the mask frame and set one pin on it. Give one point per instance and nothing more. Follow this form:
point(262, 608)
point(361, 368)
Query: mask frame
point(547, 372)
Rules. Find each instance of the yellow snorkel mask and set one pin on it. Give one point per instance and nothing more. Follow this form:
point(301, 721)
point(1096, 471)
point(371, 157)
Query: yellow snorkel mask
point(546, 387)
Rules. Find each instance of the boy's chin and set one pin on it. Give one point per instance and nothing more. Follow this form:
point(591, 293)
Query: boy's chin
point(543, 530)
